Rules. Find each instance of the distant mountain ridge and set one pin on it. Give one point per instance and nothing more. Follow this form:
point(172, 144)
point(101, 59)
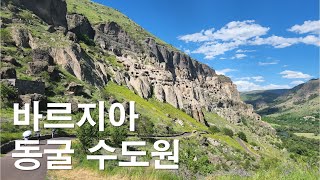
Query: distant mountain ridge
point(272, 101)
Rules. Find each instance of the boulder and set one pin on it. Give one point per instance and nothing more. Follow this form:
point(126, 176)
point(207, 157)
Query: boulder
point(71, 36)
point(10, 60)
point(126, 107)
point(21, 37)
point(29, 98)
point(38, 67)
point(74, 105)
point(42, 55)
point(54, 73)
point(8, 73)
point(214, 142)
point(76, 89)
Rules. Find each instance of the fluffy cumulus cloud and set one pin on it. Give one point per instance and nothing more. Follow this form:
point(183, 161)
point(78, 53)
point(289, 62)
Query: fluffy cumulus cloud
point(312, 27)
point(236, 34)
point(294, 75)
point(250, 86)
point(224, 71)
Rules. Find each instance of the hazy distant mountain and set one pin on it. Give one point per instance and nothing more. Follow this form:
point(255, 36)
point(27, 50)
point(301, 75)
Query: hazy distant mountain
point(303, 98)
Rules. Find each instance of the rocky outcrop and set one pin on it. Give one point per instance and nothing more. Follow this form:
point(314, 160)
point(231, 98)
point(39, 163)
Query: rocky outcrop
point(8, 73)
point(79, 64)
point(52, 12)
point(10, 60)
point(80, 25)
point(113, 38)
point(30, 98)
point(27, 87)
point(21, 37)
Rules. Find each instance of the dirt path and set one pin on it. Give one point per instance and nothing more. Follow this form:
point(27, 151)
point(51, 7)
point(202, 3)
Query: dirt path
point(10, 172)
point(245, 147)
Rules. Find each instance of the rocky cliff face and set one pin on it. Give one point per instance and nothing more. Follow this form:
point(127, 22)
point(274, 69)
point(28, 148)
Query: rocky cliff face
point(171, 76)
point(149, 69)
point(52, 12)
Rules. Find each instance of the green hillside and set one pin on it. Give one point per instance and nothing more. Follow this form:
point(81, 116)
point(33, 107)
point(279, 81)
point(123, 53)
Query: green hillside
point(223, 150)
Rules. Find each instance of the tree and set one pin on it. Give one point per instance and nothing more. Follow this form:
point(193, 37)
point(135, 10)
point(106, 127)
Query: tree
point(118, 134)
point(8, 94)
point(144, 126)
point(242, 136)
point(227, 132)
point(214, 129)
point(87, 135)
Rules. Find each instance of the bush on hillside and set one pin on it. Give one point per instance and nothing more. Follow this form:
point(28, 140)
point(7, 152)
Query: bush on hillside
point(227, 132)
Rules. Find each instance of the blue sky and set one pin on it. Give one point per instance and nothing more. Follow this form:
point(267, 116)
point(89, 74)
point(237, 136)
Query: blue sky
point(259, 44)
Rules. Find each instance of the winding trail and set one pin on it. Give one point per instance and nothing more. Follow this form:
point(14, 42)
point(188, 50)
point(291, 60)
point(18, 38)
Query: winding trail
point(246, 148)
point(10, 172)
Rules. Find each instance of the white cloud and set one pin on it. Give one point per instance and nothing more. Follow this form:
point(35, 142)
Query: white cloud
point(296, 82)
point(258, 78)
point(239, 56)
point(268, 63)
point(312, 27)
point(243, 51)
point(203, 35)
point(234, 30)
point(236, 34)
point(224, 71)
point(294, 75)
point(255, 78)
point(187, 51)
point(250, 86)
point(240, 30)
point(222, 58)
point(282, 42)
point(212, 49)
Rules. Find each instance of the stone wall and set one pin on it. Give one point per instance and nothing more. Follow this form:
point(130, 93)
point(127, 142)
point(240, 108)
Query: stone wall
point(28, 87)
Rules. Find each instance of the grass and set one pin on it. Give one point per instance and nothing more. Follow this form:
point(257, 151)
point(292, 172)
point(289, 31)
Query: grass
point(226, 139)
point(283, 171)
point(9, 136)
point(88, 169)
point(308, 135)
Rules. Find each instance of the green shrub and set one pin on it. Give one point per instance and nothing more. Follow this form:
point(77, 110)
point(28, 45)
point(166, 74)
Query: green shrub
point(244, 121)
point(86, 40)
point(144, 126)
point(253, 143)
point(242, 136)
point(118, 134)
point(227, 132)
point(214, 129)
point(8, 94)
point(88, 136)
point(5, 35)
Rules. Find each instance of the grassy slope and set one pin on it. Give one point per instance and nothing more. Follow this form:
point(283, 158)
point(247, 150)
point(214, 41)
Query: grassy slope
point(97, 13)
